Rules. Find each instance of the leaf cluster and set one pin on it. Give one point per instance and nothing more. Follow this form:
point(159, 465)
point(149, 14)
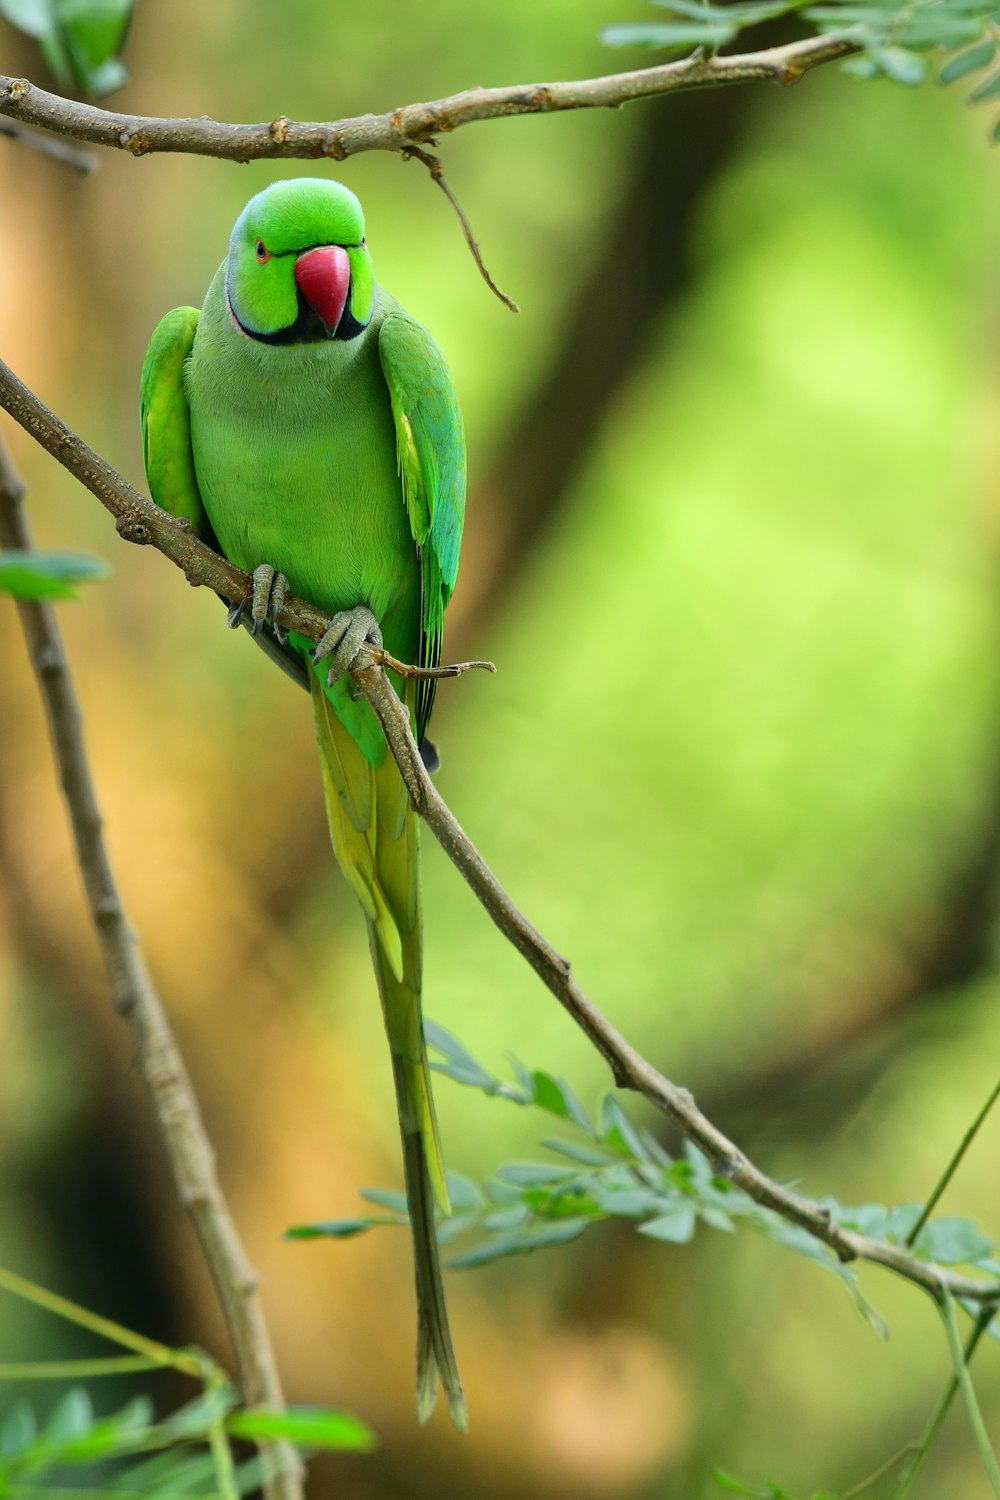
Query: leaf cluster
point(605, 1167)
point(79, 39)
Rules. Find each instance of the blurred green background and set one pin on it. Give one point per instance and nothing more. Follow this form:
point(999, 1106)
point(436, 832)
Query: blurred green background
point(732, 541)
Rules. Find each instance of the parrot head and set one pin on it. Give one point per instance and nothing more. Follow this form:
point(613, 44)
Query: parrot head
point(299, 270)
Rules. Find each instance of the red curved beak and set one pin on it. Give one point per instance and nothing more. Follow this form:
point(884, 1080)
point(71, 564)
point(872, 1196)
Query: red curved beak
point(323, 277)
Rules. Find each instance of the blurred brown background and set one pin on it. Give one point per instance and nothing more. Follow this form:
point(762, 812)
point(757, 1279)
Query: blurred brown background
point(732, 543)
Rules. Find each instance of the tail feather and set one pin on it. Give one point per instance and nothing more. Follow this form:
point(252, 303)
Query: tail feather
point(375, 837)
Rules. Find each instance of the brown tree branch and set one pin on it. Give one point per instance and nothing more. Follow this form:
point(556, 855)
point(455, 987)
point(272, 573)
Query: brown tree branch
point(49, 145)
point(137, 515)
point(413, 124)
point(189, 1150)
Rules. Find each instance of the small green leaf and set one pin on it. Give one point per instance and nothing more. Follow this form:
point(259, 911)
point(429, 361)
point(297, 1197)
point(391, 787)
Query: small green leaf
point(306, 1426)
point(677, 1228)
point(47, 575)
point(863, 67)
point(989, 89)
point(506, 1218)
point(389, 1198)
point(587, 1156)
point(628, 1203)
point(669, 36)
point(464, 1193)
point(534, 1174)
point(717, 1219)
point(337, 1229)
point(953, 1241)
point(968, 62)
point(73, 1416)
point(615, 1127)
point(504, 1244)
point(559, 1233)
point(460, 1065)
point(548, 1094)
point(900, 65)
point(18, 1429)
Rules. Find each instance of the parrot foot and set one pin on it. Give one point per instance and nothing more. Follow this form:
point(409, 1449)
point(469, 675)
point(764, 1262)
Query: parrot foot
point(347, 633)
point(269, 590)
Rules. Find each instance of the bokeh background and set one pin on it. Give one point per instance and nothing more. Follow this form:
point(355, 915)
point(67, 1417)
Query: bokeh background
point(732, 541)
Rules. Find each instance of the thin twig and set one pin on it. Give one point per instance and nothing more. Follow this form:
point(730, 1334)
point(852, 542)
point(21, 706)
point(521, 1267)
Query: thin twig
point(436, 170)
point(953, 1165)
point(203, 566)
point(921, 1450)
point(413, 124)
point(191, 1156)
point(946, 1305)
point(49, 145)
point(448, 669)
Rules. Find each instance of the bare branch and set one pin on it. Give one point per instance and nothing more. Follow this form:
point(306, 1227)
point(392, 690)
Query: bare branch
point(49, 145)
point(413, 124)
point(629, 1068)
point(189, 1150)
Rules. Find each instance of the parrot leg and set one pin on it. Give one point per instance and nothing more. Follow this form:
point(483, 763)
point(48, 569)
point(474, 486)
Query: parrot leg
point(347, 633)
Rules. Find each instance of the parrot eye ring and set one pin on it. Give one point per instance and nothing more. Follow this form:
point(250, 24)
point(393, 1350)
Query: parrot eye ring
point(263, 253)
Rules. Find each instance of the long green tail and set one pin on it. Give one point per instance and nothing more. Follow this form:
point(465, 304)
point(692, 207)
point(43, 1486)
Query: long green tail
point(374, 834)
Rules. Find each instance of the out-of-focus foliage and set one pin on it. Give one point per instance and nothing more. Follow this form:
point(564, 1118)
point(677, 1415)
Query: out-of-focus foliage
point(47, 575)
point(191, 1446)
point(79, 39)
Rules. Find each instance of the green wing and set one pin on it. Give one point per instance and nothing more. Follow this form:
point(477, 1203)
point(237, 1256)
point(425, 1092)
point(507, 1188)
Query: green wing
point(168, 456)
point(166, 420)
point(430, 446)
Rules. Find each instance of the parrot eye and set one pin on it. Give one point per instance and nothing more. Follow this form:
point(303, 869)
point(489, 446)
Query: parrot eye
point(263, 253)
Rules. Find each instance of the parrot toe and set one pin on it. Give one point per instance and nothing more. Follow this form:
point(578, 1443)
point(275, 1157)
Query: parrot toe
point(348, 631)
point(269, 590)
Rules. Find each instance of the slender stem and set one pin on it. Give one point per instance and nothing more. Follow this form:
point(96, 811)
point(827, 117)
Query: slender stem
point(946, 1305)
point(941, 1410)
point(953, 1165)
point(190, 1152)
point(81, 1369)
point(140, 520)
point(413, 124)
point(433, 165)
point(155, 1354)
point(879, 1473)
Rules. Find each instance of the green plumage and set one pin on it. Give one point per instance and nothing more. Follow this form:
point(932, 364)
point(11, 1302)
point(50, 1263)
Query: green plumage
point(335, 453)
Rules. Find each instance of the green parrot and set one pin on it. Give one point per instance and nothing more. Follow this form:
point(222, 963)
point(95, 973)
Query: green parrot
point(309, 429)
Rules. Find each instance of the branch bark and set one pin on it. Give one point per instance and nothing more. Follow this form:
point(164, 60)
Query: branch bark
point(413, 124)
point(140, 519)
point(189, 1150)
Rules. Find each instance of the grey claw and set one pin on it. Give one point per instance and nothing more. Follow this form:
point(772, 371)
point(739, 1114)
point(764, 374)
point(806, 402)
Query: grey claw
point(235, 614)
point(269, 590)
point(347, 632)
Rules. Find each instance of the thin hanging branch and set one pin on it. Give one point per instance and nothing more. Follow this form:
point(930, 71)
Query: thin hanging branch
point(433, 165)
point(189, 1150)
point(413, 124)
point(139, 519)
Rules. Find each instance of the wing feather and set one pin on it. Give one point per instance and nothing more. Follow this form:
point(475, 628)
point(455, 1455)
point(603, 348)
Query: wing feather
point(430, 448)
